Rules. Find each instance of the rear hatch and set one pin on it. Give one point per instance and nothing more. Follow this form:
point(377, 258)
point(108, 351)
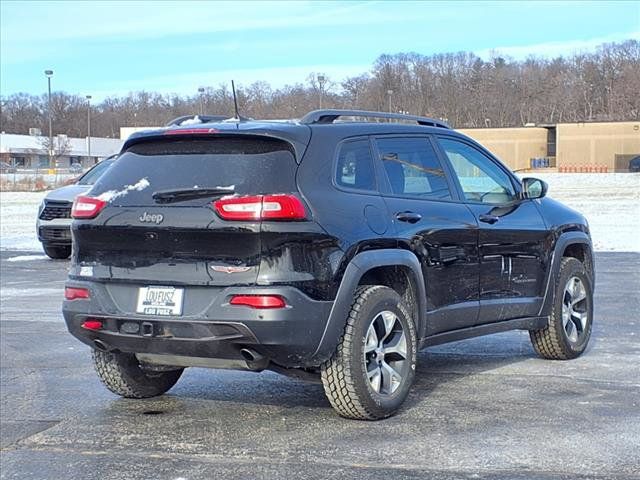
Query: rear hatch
point(187, 210)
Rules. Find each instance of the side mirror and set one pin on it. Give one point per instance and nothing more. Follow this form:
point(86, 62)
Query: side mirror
point(534, 188)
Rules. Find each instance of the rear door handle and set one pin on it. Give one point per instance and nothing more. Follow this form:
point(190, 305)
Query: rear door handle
point(410, 217)
point(489, 219)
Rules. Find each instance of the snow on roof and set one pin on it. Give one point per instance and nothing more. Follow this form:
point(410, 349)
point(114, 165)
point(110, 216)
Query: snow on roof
point(100, 147)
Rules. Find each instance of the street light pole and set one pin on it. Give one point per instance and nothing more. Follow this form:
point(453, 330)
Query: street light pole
point(321, 80)
point(49, 74)
point(89, 127)
point(201, 91)
point(389, 93)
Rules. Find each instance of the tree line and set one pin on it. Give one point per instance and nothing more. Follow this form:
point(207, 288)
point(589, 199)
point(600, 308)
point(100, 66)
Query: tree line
point(461, 88)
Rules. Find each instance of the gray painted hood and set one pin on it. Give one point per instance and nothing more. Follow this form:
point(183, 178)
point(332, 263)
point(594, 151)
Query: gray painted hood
point(67, 193)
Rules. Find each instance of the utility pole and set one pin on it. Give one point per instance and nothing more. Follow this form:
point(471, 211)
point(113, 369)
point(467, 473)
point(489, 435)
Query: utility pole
point(49, 74)
point(89, 127)
point(389, 93)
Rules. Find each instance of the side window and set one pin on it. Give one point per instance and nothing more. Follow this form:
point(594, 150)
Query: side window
point(355, 166)
point(413, 168)
point(481, 179)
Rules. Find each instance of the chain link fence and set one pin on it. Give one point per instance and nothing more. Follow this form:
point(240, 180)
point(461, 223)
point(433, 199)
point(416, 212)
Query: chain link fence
point(37, 179)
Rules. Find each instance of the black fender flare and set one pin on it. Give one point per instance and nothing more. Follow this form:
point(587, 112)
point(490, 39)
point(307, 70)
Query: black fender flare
point(564, 240)
point(357, 267)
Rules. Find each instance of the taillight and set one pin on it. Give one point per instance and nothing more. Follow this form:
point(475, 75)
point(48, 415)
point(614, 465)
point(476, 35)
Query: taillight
point(261, 207)
point(86, 207)
point(73, 293)
point(259, 301)
point(92, 324)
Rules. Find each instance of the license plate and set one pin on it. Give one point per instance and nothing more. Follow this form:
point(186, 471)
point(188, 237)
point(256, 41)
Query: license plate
point(160, 300)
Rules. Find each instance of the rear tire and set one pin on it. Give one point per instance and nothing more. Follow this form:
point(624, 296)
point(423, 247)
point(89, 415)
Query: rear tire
point(122, 374)
point(371, 372)
point(569, 329)
point(57, 252)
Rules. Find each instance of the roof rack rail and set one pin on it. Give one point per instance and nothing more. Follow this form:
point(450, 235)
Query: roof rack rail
point(329, 116)
point(176, 122)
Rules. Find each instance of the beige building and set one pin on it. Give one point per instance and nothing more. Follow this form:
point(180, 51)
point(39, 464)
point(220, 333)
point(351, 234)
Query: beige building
point(514, 146)
point(609, 144)
point(567, 146)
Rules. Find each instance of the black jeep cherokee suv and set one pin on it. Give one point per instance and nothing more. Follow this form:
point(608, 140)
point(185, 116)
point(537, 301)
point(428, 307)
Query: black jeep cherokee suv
point(318, 248)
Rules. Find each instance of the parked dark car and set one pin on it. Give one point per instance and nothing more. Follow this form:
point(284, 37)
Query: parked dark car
point(634, 164)
point(54, 215)
point(323, 249)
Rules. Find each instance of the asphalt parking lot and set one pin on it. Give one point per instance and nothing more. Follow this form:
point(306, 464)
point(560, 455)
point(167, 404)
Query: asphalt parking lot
point(482, 408)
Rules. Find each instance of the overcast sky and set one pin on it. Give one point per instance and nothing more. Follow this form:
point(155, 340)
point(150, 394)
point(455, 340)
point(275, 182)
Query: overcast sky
point(111, 48)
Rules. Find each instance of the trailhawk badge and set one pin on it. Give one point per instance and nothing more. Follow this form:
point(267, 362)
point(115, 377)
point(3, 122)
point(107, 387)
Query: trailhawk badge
point(228, 269)
point(151, 218)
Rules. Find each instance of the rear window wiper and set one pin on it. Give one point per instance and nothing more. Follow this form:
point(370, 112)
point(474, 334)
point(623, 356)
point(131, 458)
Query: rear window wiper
point(177, 195)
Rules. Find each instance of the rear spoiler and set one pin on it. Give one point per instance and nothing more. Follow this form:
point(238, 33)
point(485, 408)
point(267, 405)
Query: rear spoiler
point(212, 131)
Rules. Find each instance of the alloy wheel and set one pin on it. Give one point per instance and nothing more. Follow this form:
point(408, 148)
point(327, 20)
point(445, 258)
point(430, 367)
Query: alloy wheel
point(575, 309)
point(385, 353)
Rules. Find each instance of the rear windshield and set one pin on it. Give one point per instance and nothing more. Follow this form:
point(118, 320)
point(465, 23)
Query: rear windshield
point(247, 166)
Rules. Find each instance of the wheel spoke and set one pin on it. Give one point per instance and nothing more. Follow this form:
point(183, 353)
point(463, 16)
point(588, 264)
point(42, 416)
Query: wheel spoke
point(375, 377)
point(397, 346)
point(389, 320)
point(391, 379)
point(580, 295)
point(566, 315)
point(572, 331)
point(371, 340)
point(580, 319)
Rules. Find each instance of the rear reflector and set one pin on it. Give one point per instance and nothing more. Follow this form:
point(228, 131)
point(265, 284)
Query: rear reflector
point(261, 207)
point(73, 293)
point(259, 301)
point(191, 131)
point(86, 207)
point(92, 324)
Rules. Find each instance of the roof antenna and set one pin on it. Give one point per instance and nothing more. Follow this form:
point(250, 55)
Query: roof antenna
point(238, 117)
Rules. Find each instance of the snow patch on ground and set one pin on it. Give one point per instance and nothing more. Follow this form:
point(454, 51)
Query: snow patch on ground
point(610, 202)
point(18, 215)
point(27, 258)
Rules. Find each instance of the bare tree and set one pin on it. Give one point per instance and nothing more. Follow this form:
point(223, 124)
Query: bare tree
point(461, 87)
point(60, 146)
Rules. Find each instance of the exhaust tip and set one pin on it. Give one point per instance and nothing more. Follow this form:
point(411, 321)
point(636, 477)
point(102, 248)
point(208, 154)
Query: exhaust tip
point(255, 361)
point(100, 345)
point(250, 355)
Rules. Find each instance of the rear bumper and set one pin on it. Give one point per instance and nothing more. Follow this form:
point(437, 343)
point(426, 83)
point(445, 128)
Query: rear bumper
point(288, 336)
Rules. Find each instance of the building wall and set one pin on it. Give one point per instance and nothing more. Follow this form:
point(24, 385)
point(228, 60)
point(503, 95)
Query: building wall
point(30, 152)
point(514, 146)
point(586, 144)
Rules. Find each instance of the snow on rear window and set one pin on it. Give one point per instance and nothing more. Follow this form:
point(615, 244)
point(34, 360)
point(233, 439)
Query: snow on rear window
point(111, 195)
